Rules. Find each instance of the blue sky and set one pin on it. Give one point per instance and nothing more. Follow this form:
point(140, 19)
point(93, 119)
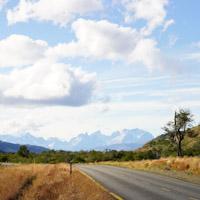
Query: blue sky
point(81, 66)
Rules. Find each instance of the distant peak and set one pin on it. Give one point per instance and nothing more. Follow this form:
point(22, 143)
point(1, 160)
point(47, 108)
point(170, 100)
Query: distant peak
point(97, 133)
point(82, 135)
point(24, 134)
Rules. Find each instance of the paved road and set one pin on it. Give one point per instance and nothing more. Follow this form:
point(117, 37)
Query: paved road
point(137, 185)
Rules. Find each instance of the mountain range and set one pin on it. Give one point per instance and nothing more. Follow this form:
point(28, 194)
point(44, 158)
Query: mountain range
point(7, 147)
point(127, 139)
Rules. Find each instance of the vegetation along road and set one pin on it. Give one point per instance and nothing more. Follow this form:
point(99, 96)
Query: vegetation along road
point(131, 184)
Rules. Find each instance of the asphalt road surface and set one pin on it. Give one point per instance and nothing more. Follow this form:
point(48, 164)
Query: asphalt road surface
point(137, 185)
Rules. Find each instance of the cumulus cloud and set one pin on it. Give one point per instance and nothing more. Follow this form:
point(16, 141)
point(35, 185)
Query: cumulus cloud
point(100, 39)
point(57, 11)
point(20, 50)
point(35, 78)
point(152, 11)
point(147, 53)
point(47, 83)
point(105, 40)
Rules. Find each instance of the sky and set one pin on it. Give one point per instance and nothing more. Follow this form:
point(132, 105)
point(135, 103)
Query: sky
point(70, 67)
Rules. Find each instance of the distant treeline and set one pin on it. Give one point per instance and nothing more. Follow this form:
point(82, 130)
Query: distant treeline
point(76, 157)
point(85, 156)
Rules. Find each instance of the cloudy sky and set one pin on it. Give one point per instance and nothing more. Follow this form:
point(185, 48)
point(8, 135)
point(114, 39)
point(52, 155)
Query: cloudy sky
point(75, 66)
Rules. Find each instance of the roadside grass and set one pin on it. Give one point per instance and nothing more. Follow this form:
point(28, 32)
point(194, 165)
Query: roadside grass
point(186, 168)
point(12, 180)
point(47, 182)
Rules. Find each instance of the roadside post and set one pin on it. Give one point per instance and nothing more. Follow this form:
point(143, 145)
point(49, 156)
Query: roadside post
point(70, 167)
point(70, 163)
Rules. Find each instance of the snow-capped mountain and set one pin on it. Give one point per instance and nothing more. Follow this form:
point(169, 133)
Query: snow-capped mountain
point(127, 139)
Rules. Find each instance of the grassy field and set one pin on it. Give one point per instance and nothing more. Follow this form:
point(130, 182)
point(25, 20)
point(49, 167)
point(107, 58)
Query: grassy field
point(47, 182)
point(186, 168)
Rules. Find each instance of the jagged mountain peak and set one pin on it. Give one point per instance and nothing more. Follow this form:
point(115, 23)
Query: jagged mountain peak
point(125, 139)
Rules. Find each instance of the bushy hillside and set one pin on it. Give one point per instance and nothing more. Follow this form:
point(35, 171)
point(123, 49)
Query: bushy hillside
point(162, 145)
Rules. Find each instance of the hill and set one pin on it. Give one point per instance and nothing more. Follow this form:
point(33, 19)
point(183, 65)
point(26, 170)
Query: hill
point(7, 147)
point(126, 139)
point(162, 145)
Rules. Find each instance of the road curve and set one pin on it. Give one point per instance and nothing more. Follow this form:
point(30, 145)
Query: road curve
point(137, 185)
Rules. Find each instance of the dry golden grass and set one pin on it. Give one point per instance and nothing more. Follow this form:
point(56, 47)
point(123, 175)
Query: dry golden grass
point(47, 182)
point(12, 179)
point(187, 168)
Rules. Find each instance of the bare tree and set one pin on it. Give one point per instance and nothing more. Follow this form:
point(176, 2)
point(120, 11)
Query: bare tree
point(177, 128)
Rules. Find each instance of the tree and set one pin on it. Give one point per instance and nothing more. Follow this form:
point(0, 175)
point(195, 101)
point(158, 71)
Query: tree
point(4, 158)
point(23, 151)
point(177, 128)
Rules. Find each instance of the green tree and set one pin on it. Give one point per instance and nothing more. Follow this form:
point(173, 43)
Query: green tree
point(178, 127)
point(23, 151)
point(4, 158)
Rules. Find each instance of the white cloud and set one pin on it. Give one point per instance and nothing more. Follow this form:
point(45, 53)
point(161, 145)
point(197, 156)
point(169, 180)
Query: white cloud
point(172, 40)
point(105, 40)
point(63, 120)
point(167, 24)
point(58, 11)
point(20, 50)
point(18, 126)
point(43, 80)
point(47, 83)
point(147, 53)
point(193, 56)
point(152, 11)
